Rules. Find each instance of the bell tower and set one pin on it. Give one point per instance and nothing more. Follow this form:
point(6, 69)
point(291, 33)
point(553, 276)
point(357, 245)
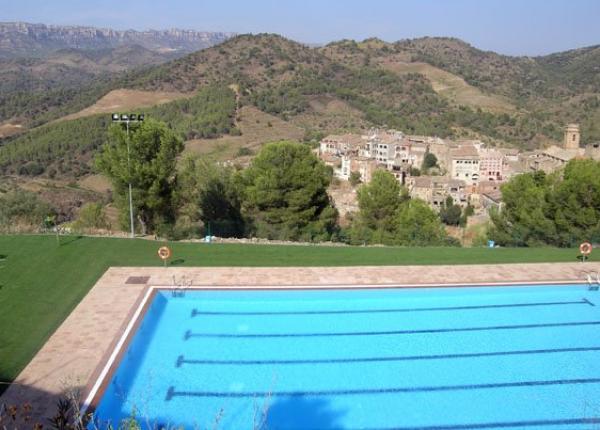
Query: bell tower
point(572, 136)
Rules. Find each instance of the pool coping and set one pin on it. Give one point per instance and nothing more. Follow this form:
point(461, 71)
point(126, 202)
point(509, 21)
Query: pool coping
point(113, 308)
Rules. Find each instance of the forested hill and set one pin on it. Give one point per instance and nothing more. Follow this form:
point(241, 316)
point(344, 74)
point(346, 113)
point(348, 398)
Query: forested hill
point(525, 80)
point(539, 94)
point(430, 86)
point(559, 87)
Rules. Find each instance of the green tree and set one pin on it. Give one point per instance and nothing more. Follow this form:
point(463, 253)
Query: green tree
point(450, 213)
point(418, 225)
point(378, 203)
point(285, 194)
point(379, 200)
point(561, 209)
point(575, 203)
point(209, 193)
point(429, 161)
point(524, 219)
point(467, 212)
point(153, 152)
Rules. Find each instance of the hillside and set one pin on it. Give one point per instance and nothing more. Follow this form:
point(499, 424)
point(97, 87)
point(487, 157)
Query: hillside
point(428, 86)
point(37, 90)
point(282, 77)
point(121, 100)
point(524, 101)
point(526, 80)
point(451, 86)
point(49, 71)
point(546, 91)
point(66, 148)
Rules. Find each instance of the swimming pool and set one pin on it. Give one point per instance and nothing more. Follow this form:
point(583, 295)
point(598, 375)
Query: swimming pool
point(420, 358)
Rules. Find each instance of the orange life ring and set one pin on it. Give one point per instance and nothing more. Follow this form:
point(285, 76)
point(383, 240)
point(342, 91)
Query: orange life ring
point(164, 252)
point(585, 248)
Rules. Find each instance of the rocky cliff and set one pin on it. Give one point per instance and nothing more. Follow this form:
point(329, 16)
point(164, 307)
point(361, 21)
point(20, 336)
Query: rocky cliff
point(18, 39)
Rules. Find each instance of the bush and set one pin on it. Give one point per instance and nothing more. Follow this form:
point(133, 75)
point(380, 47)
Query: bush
point(31, 168)
point(244, 152)
point(414, 171)
point(354, 178)
point(22, 209)
point(450, 213)
point(91, 216)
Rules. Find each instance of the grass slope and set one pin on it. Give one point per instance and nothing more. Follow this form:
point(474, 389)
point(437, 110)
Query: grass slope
point(453, 87)
point(41, 282)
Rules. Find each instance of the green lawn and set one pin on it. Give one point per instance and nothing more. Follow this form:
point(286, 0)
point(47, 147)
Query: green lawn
point(41, 282)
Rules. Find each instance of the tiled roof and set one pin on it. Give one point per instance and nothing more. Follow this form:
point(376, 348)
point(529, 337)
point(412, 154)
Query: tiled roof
point(495, 195)
point(464, 151)
point(423, 181)
point(349, 138)
point(563, 154)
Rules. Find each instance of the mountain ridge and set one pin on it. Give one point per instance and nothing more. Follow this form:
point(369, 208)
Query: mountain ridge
point(26, 39)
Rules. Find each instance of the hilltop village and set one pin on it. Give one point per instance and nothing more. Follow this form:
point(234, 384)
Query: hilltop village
point(434, 169)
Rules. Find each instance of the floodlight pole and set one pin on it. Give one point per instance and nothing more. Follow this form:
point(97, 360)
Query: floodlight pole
point(129, 174)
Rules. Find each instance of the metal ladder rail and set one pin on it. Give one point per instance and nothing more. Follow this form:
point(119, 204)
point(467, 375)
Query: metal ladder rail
point(593, 284)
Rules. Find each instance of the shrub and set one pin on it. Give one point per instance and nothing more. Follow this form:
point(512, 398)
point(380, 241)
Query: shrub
point(354, 178)
point(91, 216)
point(22, 209)
point(244, 152)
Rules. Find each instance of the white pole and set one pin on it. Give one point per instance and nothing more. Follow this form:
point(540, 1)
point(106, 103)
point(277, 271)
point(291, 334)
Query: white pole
point(130, 196)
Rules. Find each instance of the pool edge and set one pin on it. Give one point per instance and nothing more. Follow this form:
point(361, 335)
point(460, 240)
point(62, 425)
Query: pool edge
point(112, 358)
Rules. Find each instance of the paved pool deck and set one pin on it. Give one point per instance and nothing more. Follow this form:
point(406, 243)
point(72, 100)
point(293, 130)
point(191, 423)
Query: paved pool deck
point(74, 355)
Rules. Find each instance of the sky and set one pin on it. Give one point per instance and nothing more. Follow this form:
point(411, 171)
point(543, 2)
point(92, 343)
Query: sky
point(513, 27)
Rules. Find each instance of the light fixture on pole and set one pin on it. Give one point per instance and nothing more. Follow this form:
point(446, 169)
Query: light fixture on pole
point(125, 118)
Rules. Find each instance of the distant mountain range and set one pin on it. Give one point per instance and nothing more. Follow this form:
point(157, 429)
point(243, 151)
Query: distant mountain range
point(20, 39)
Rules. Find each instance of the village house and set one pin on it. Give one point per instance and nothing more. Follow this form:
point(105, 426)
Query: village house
point(363, 165)
point(338, 145)
point(465, 164)
point(492, 199)
point(510, 154)
point(435, 190)
point(397, 152)
point(491, 165)
point(389, 149)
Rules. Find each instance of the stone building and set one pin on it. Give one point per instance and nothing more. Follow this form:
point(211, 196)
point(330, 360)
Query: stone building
point(491, 165)
point(363, 165)
point(571, 137)
point(338, 145)
point(435, 190)
point(556, 157)
point(465, 164)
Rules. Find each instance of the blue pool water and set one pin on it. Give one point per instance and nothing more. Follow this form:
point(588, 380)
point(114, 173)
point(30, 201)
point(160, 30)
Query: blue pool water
point(428, 359)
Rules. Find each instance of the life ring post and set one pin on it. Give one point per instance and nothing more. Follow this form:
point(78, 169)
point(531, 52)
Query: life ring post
point(585, 249)
point(164, 252)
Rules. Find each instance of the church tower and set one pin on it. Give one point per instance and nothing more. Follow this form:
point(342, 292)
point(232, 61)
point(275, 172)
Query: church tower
point(572, 136)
